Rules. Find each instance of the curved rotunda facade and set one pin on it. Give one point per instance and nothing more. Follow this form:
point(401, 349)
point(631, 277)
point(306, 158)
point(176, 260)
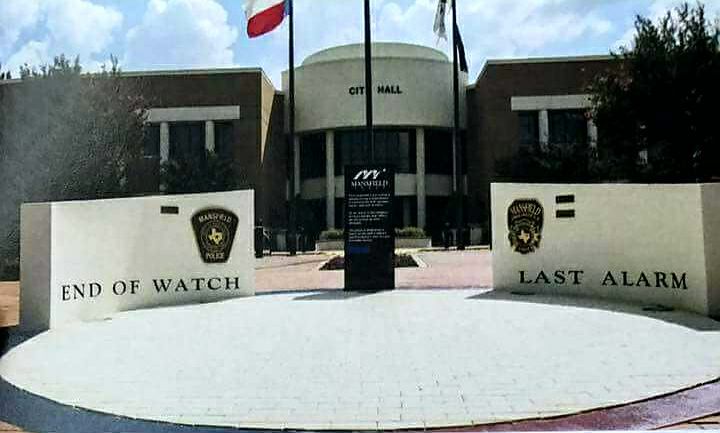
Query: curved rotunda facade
point(413, 120)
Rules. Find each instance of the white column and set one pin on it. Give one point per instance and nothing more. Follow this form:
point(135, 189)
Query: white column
point(592, 133)
point(330, 179)
point(164, 142)
point(296, 145)
point(210, 136)
point(544, 128)
point(420, 176)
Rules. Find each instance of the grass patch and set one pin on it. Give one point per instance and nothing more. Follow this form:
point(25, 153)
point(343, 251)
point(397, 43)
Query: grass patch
point(337, 263)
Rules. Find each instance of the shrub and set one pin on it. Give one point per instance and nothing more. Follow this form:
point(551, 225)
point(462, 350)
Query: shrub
point(332, 235)
point(213, 173)
point(660, 103)
point(401, 261)
point(410, 232)
point(405, 232)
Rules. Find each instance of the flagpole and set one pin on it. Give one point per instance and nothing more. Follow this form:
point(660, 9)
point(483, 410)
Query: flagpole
point(292, 244)
point(457, 151)
point(370, 139)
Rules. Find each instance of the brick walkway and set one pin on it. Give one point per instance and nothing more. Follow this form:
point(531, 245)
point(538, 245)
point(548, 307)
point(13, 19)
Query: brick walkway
point(6, 428)
point(401, 359)
point(457, 270)
point(9, 311)
point(710, 423)
point(281, 273)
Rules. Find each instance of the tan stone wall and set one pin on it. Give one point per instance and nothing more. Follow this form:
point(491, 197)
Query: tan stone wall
point(658, 231)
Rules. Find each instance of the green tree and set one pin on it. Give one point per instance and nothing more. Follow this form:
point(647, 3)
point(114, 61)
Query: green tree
point(65, 136)
point(555, 162)
point(213, 173)
point(4, 75)
point(657, 113)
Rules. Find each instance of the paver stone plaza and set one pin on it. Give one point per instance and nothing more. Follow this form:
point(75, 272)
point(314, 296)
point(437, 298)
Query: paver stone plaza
point(337, 360)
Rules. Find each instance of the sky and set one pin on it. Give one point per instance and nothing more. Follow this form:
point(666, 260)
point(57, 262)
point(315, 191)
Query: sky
point(189, 34)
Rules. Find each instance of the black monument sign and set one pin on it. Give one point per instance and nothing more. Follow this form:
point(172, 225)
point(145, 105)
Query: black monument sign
point(369, 229)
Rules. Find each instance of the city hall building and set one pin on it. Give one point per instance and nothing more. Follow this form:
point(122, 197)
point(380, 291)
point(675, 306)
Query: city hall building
point(241, 116)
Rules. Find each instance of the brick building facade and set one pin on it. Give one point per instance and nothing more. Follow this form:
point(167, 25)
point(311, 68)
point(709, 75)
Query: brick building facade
point(239, 114)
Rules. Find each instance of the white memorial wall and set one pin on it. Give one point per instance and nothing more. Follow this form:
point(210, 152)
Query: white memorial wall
point(87, 260)
point(649, 244)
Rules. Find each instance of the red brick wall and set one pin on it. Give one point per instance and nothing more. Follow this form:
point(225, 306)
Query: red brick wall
point(493, 129)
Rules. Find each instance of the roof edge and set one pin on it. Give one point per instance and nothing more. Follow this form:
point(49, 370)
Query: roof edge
point(10, 81)
point(538, 60)
point(309, 60)
point(175, 73)
point(559, 59)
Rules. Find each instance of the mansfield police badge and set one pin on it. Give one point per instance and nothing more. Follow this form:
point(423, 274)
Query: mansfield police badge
point(525, 222)
point(215, 232)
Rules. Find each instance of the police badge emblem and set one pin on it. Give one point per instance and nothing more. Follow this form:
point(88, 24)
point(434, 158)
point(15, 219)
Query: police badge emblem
point(215, 232)
point(525, 222)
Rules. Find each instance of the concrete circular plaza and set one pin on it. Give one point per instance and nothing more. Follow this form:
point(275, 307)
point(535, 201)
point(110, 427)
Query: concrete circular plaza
point(389, 360)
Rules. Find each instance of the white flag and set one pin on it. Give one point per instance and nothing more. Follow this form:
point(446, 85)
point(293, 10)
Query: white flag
point(439, 26)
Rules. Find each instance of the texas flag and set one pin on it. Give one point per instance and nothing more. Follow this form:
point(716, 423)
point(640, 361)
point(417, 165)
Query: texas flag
point(265, 15)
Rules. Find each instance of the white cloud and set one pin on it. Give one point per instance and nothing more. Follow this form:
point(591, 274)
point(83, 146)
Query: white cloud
point(625, 40)
point(71, 27)
point(181, 33)
point(498, 28)
point(32, 53)
point(490, 28)
point(319, 24)
point(200, 33)
point(658, 9)
point(15, 17)
point(80, 27)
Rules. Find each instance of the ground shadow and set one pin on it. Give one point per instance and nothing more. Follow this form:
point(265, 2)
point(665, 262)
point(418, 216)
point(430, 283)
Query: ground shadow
point(4, 340)
point(295, 292)
point(38, 414)
point(676, 317)
point(259, 267)
point(334, 295)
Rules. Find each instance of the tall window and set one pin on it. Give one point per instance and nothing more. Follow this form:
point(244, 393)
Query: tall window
point(568, 127)
point(350, 148)
point(187, 140)
point(405, 212)
point(398, 148)
point(312, 156)
point(151, 141)
point(224, 139)
point(529, 128)
point(312, 217)
point(392, 146)
point(462, 136)
point(438, 152)
point(339, 211)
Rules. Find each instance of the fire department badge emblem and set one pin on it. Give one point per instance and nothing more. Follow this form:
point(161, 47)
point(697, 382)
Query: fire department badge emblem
point(525, 222)
point(215, 232)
